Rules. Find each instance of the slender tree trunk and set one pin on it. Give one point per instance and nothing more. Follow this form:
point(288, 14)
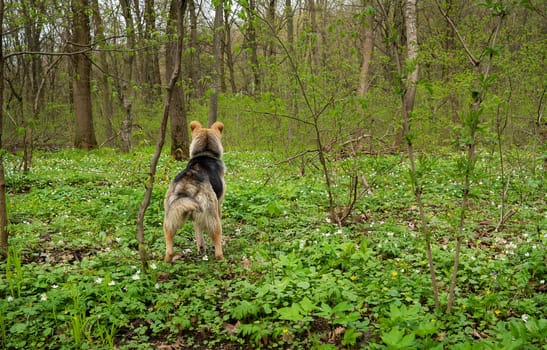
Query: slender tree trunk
point(3, 211)
point(177, 107)
point(194, 70)
point(161, 137)
point(367, 48)
point(471, 127)
point(33, 29)
point(217, 53)
point(107, 108)
point(228, 50)
point(293, 85)
point(408, 100)
point(313, 36)
point(252, 44)
point(81, 84)
point(126, 89)
point(150, 65)
point(270, 49)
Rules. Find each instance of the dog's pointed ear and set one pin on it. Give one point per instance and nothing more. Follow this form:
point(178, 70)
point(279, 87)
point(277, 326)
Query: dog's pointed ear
point(195, 125)
point(219, 126)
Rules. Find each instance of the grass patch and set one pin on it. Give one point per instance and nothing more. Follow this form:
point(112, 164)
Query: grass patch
point(291, 279)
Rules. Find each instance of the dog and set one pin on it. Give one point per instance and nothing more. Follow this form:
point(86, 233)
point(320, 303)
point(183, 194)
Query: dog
point(197, 192)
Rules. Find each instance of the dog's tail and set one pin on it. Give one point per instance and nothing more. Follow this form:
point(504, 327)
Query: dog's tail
point(178, 210)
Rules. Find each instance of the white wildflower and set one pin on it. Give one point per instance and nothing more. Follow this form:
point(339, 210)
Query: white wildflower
point(205, 258)
point(111, 283)
point(10, 298)
point(43, 297)
point(54, 286)
point(99, 280)
point(153, 266)
point(136, 276)
point(524, 317)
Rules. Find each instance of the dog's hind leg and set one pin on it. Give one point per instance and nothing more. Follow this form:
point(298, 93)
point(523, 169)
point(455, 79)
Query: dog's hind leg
point(216, 236)
point(169, 234)
point(200, 241)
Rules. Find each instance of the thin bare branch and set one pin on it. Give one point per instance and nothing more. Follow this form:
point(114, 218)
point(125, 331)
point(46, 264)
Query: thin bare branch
point(472, 59)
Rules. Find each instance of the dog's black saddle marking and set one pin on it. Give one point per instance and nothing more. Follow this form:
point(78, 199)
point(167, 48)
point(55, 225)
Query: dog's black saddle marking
point(205, 168)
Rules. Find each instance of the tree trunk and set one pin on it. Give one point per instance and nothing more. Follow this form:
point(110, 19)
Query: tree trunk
point(33, 29)
point(126, 88)
point(228, 50)
point(177, 108)
point(194, 70)
point(81, 85)
point(408, 99)
point(313, 37)
point(150, 65)
point(107, 108)
point(368, 46)
point(3, 211)
point(293, 89)
point(161, 138)
point(252, 44)
point(217, 53)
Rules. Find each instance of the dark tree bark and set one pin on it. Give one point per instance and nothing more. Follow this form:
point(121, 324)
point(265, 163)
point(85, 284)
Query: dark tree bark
point(81, 85)
point(177, 107)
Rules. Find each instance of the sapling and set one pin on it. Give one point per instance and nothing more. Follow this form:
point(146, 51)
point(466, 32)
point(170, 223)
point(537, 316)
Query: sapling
point(471, 122)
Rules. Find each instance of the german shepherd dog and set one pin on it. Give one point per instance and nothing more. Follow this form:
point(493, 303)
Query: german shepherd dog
point(197, 192)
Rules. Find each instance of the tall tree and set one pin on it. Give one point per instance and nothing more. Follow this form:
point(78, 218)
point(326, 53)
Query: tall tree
point(150, 64)
point(367, 16)
point(125, 84)
point(177, 108)
point(81, 82)
point(193, 66)
point(161, 137)
point(408, 98)
point(251, 44)
point(217, 58)
point(228, 48)
point(103, 82)
point(3, 211)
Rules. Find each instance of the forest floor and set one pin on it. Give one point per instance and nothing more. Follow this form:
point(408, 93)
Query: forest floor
point(292, 279)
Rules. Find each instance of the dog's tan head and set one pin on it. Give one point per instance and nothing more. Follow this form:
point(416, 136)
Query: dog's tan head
point(206, 141)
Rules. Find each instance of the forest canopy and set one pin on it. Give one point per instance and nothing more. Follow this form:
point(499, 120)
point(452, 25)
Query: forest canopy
point(282, 65)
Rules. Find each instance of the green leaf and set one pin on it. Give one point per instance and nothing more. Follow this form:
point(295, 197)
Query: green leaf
point(397, 339)
point(292, 313)
point(350, 337)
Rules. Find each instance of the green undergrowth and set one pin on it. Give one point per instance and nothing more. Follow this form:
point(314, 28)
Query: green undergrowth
point(291, 279)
